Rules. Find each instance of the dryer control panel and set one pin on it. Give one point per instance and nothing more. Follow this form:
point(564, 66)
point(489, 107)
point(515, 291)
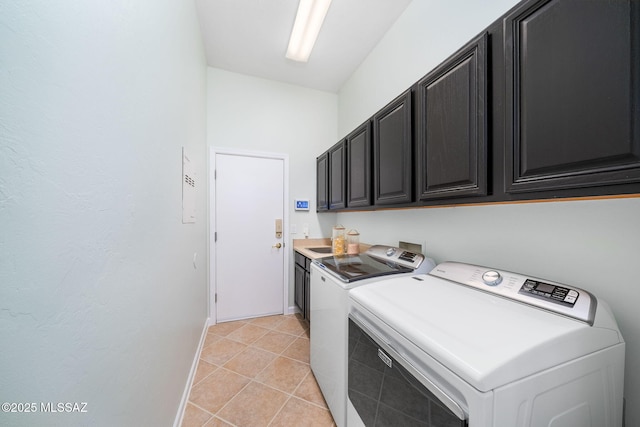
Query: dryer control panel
point(549, 292)
point(555, 297)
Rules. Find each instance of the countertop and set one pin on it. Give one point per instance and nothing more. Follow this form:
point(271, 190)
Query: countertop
point(301, 245)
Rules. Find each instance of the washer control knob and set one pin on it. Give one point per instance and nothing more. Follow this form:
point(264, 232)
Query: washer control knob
point(391, 251)
point(491, 278)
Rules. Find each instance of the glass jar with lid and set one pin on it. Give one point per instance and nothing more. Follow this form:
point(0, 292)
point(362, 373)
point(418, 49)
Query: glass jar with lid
point(353, 242)
point(338, 240)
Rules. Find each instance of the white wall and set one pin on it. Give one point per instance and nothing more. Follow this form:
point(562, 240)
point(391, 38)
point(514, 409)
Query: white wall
point(590, 244)
point(253, 114)
point(426, 33)
point(100, 301)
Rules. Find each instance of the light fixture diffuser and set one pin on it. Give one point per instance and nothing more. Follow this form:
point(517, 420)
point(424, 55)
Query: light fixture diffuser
point(306, 27)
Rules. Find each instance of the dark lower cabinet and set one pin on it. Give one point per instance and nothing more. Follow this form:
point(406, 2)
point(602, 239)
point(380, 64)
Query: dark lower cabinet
point(359, 166)
point(337, 176)
point(322, 182)
point(572, 94)
point(299, 287)
point(301, 284)
point(307, 293)
point(393, 152)
point(451, 122)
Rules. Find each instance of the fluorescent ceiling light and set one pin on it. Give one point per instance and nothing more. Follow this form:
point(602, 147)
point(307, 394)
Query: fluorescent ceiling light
point(309, 19)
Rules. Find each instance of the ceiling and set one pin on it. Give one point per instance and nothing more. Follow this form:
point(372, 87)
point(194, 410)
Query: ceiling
point(251, 37)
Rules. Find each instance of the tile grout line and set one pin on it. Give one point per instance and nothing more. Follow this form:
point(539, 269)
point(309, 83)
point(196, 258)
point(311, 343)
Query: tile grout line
point(305, 400)
point(240, 342)
point(288, 395)
point(229, 401)
point(206, 376)
point(279, 411)
point(218, 367)
point(204, 410)
point(301, 335)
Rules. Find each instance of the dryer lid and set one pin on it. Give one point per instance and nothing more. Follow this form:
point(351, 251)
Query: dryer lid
point(486, 340)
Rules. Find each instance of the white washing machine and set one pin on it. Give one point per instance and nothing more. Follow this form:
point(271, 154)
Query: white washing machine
point(479, 347)
point(331, 279)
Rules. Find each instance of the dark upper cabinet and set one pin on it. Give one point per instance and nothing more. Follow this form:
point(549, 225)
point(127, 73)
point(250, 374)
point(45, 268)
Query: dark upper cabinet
point(337, 176)
point(393, 152)
point(359, 166)
point(452, 121)
point(572, 94)
point(322, 182)
point(544, 104)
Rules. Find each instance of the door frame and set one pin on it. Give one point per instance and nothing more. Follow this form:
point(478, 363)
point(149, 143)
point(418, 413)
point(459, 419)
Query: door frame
point(211, 226)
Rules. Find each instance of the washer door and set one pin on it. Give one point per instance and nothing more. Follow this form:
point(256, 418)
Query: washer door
point(386, 393)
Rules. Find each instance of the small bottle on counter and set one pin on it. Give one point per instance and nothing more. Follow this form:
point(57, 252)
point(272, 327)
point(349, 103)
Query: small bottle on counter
point(353, 242)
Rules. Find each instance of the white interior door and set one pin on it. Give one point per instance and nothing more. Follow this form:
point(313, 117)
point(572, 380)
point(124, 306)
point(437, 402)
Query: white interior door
point(249, 265)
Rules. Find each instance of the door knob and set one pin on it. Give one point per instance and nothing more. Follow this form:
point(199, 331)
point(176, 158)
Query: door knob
point(277, 245)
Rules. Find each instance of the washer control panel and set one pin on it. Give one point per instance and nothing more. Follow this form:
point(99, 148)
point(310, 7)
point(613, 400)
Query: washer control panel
point(402, 257)
point(558, 298)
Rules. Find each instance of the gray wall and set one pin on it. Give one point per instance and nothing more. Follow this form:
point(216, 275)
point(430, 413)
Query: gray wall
point(591, 244)
point(100, 300)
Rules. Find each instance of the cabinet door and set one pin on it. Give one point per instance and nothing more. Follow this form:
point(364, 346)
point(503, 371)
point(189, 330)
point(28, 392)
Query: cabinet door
point(322, 182)
point(452, 126)
point(337, 175)
point(572, 94)
point(392, 152)
point(299, 285)
point(307, 296)
point(359, 166)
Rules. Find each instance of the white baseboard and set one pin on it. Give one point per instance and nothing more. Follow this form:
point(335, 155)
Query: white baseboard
point(288, 310)
point(293, 310)
point(194, 366)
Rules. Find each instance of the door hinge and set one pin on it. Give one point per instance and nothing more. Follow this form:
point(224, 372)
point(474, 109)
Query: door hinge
point(215, 298)
point(215, 236)
point(215, 174)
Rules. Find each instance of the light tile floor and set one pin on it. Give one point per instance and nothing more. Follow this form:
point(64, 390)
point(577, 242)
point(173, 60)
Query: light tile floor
point(256, 373)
